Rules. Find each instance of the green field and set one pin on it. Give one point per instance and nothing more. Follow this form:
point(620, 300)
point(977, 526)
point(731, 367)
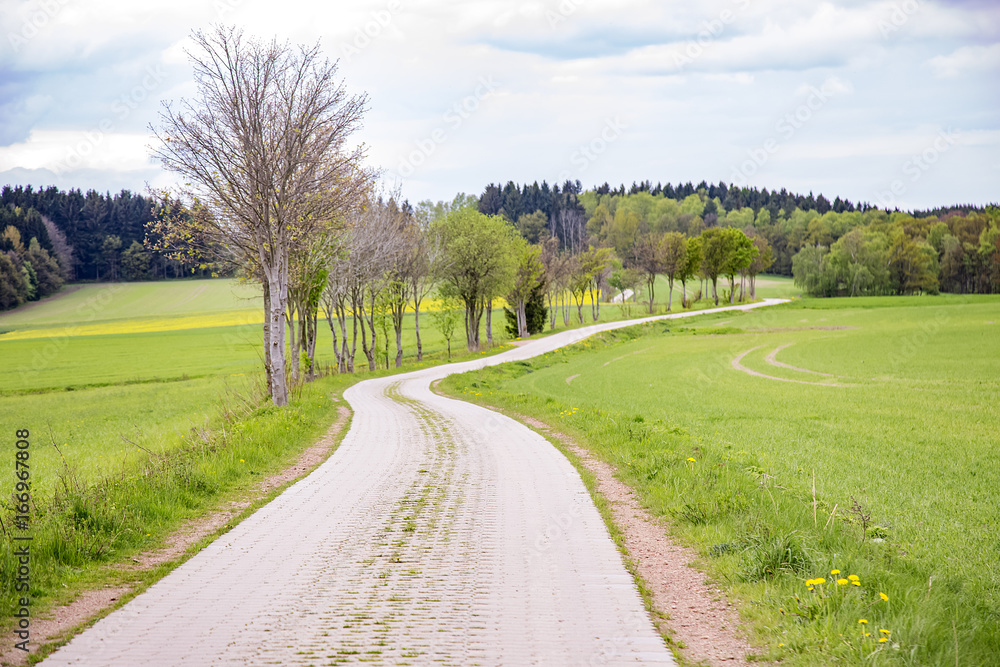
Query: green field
point(893, 403)
point(109, 302)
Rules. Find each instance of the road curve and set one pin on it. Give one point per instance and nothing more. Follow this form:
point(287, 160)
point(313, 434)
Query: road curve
point(438, 532)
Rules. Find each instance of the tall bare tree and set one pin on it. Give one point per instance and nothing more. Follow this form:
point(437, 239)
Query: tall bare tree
point(263, 147)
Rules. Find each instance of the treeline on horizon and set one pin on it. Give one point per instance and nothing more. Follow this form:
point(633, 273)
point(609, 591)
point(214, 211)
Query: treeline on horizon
point(50, 236)
point(836, 248)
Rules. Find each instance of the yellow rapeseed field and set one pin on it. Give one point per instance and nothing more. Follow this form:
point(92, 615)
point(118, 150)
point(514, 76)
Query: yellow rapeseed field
point(144, 325)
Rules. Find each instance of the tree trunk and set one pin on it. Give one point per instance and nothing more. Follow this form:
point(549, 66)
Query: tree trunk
point(368, 324)
point(715, 291)
point(522, 319)
point(293, 342)
point(416, 325)
point(670, 292)
point(267, 337)
point(489, 323)
point(333, 334)
point(651, 285)
point(276, 339)
point(473, 316)
point(552, 312)
point(311, 335)
point(399, 346)
point(732, 287)
point(354, 341)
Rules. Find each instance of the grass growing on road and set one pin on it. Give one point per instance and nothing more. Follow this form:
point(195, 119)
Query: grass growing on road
point(900, 432)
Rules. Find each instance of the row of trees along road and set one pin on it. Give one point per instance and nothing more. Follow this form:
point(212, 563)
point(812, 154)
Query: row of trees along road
point(272, 187)
point(268, 174)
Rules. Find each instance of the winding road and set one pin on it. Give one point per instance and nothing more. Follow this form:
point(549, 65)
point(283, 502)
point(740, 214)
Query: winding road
point(438, 532)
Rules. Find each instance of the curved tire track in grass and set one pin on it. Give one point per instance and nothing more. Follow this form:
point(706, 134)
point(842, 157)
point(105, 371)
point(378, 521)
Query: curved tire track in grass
point(738, 365)
point(770, 358)
point(439, 531)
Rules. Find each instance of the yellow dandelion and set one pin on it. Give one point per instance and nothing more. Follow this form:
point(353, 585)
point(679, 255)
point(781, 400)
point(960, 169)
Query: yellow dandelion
point(834, 572)
point(810, 582)
point(868, 634)
point(863, 621)
point(856, 583)
point(853, 577)
point(885, 598)
point(882, 640)
point(820, 580)
point(885, 632)
point(690, 459)
point(841, 582)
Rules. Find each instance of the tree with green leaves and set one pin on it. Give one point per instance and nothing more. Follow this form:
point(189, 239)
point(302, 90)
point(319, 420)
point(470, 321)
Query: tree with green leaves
point(859, 260)
point(739, 252)
point(761, 262)
point(714, 257)
point(110, 247)
point(532, 226)
point(47, 269)
point(135, 262)
point(445, 318)
point(527, 278)
point(809, 267)
point(648, 252)
point(675, 251)
point(478, 259)
point(691, 267)
point(913, 264)
point(626, 281)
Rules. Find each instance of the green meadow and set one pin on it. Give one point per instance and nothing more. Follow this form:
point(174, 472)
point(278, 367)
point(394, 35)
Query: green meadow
point(723, 422)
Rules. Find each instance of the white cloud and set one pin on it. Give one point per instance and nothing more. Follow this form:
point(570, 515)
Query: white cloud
point(62, 151)
point(967, 60)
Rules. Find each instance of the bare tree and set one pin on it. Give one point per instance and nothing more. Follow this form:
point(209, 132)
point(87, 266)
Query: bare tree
point(420, 272)
point(375, 244)
point(263, 148)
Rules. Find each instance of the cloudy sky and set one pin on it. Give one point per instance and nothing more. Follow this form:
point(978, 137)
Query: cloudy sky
point(893, 102)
